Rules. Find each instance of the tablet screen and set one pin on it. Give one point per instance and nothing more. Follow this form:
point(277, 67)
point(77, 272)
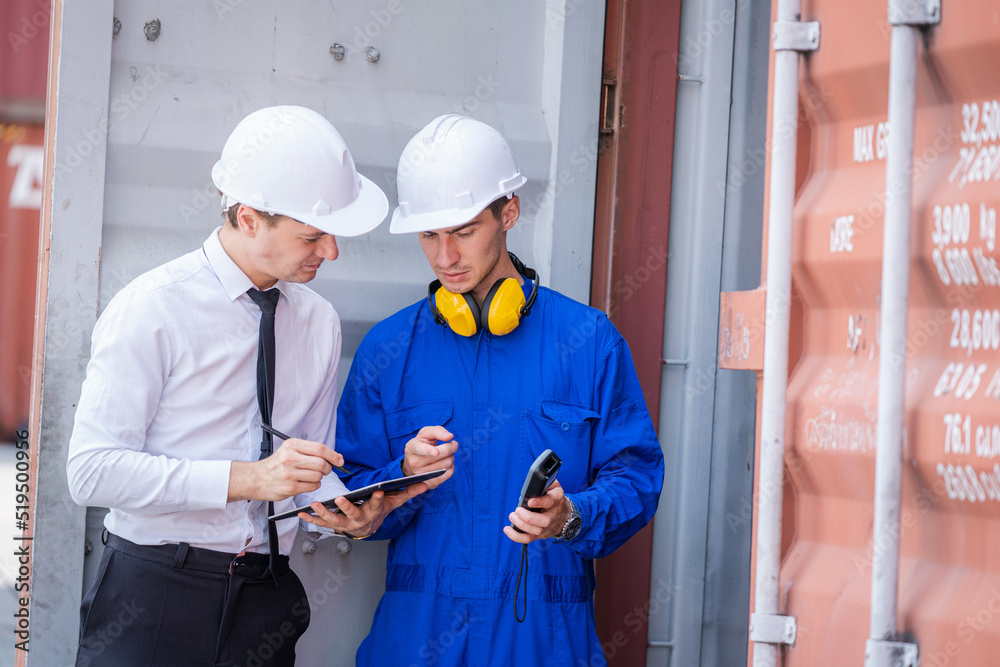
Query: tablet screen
point(359, 496)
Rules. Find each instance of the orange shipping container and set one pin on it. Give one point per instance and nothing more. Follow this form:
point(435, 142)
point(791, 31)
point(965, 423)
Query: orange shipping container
point(21, 188)
point(949, 523)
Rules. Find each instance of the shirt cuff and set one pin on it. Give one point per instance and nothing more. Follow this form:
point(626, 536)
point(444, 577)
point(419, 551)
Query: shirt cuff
point(395, 469)
point(321, 532)
point(208, 484)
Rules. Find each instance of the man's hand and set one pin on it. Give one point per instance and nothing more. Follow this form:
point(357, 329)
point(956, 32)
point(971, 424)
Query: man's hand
point(540, 525)
point(361, 520)
point(297, 466)
point(423, 454)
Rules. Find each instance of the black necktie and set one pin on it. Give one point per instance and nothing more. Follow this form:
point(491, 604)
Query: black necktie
point(268, 302)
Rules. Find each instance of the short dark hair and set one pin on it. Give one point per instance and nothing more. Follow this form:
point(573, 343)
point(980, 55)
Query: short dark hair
point(270, 219)
point(496, 206)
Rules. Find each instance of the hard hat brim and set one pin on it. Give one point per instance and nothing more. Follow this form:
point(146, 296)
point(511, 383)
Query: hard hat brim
point(361, 216)
point(428, 222)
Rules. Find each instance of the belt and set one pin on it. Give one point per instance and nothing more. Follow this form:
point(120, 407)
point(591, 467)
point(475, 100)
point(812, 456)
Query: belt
point(184, 556)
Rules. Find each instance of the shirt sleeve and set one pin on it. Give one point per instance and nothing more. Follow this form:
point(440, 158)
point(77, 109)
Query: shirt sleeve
point(365, 445)
point(107, 467)
point(627, 462)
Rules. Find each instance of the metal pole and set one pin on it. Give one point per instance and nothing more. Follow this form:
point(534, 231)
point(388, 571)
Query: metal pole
point(892, 357)
point(883, 649)
point(784, 131)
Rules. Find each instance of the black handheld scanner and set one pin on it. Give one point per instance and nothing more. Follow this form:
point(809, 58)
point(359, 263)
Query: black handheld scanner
point(540, 476)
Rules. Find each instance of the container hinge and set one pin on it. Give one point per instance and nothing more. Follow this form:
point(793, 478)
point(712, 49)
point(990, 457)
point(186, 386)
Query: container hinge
point(914, 12)
point(772, 629)
point(882, 653)
point(798, 36)
point(609, 105)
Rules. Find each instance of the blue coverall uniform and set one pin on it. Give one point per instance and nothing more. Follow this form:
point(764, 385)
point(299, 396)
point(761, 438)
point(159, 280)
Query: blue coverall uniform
point(562, 380)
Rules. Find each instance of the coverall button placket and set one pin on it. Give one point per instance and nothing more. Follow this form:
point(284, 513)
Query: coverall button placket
point(479, 460)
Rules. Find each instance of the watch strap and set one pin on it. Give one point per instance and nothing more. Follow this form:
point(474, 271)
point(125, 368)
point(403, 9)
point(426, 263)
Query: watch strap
point(569, 531)
point(353, 537)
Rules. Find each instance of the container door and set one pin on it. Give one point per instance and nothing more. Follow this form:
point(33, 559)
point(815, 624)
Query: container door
point(950, 516)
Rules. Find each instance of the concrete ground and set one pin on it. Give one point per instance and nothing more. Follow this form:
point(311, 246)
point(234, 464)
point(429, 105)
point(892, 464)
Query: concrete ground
point(8, 561)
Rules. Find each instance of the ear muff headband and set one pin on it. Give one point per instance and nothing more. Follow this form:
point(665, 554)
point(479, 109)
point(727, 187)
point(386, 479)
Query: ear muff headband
point(531, 275)
point(505, 305)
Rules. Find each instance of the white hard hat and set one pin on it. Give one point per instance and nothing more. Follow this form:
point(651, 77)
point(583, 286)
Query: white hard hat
point(449, 172)
point(289, 160)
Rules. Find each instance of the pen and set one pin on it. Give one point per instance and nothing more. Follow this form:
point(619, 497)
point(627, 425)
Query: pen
point(274, 431)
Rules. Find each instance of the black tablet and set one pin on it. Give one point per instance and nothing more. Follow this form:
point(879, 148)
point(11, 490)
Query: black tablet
point(359, 496)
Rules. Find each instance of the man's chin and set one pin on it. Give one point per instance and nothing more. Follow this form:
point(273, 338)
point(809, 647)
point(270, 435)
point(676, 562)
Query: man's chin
point(456, 288)
point(303, 276)
point(460, 286)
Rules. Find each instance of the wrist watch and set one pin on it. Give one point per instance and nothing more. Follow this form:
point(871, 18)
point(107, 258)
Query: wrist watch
point(353, 537)
point(573, 524)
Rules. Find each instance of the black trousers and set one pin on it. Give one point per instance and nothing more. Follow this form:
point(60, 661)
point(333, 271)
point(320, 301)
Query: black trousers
point(180, 605)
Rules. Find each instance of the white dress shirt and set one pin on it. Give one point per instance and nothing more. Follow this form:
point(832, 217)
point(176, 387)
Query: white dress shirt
point(170, 399)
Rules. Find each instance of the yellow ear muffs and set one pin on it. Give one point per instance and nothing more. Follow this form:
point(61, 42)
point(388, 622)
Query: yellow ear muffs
point(505, 305)
point(502, 307)
point(459, 311)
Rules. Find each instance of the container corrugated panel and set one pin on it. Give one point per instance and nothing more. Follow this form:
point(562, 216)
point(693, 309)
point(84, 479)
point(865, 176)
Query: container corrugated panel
point(23, 56)
point(21, 189)
point(175, 99)
point(949, 586)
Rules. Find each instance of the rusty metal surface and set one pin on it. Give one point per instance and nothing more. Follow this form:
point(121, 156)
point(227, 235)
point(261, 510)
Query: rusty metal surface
point(634, 175)
point(949, 587)
point(24, 59)
point(21, 190)
point(630, 260)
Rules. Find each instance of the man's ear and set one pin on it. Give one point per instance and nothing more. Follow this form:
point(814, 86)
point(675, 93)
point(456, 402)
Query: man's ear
point(510, 213)
point(247, 219)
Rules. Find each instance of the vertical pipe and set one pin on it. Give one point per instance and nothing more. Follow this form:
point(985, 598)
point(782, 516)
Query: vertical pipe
point(892, 359)
point(784, 131)
point(688, 398)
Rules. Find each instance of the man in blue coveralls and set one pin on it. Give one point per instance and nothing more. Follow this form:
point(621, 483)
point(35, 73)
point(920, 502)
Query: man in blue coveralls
point(515, 369)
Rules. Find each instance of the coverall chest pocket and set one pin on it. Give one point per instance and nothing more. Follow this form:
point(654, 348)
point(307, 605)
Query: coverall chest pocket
point(402, 424)
point(565, 428)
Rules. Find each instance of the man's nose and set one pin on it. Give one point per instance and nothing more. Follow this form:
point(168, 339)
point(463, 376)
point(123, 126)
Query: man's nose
point(447, 254)
point(328, 247)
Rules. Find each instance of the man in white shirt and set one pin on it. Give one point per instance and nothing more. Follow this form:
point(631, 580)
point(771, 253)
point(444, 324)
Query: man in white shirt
point(170, 417)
